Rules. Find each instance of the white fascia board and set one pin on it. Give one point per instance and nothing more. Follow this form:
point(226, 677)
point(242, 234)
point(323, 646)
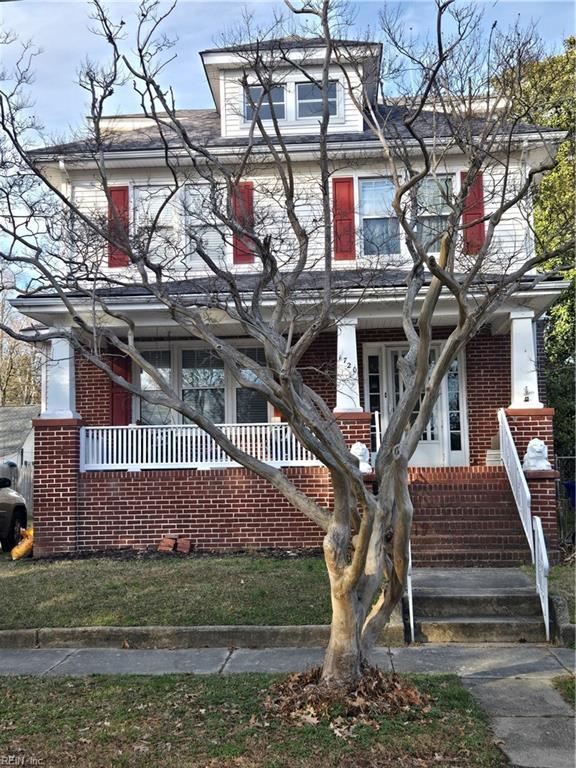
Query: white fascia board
point(44, 309)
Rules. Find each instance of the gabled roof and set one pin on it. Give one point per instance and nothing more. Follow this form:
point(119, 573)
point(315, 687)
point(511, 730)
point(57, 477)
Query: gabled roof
point(15, 426)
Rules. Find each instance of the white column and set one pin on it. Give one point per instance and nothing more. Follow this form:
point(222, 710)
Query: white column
point(58, 382)
point(523, 360)
point(347, 388)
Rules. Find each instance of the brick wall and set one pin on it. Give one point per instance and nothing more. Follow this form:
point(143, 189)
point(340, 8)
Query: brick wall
point(93, 394)
point(525, 425)
point(56, 475)
point(217, 509)
point(488, 389)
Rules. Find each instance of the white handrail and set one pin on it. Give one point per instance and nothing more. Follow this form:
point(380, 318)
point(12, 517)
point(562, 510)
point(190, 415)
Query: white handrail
point(516, 477)
point(532, 525)
point(542, 567)
point(138, 447)
point(409, 593)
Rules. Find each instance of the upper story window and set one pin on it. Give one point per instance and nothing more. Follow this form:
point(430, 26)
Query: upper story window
point(255, 95)
point(155, 207)
point(378, 223)
point(433, 209)
point(309, 100)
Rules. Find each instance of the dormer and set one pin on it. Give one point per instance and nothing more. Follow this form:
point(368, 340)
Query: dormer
point(293, 64)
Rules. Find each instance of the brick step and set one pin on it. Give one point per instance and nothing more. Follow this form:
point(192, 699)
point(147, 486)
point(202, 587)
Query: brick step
point(513, 606)
point(433, 543)
point(467, 558)
point(486, 498)
point(480, 629)
point(466, 528)
point(489, 513)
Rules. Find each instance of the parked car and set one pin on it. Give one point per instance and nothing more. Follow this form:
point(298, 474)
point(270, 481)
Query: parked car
point(13, 515)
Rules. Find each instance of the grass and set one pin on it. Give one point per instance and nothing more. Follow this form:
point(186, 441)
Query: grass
point(219, 722)
point(561, 581)
point(165, 590)
point(566, 686)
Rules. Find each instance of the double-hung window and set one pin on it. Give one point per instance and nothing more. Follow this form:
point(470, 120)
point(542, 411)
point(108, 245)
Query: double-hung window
point(264, 103)
point(433, 198)
point(203, 231)
point(251, 407)
point(203, 383)
point(378, 223)
point(156, 218)
point(150, 413)
point(309, 99)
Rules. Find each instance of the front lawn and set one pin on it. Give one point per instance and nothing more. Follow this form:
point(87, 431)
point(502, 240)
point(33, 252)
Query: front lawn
point(562, 581)
point(220, 722)
point(113, 591)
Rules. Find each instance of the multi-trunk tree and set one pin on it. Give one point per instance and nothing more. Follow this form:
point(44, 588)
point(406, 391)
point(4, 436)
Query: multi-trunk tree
point(452, 95)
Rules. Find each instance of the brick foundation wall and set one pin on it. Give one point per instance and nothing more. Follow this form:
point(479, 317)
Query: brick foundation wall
point(217, 509)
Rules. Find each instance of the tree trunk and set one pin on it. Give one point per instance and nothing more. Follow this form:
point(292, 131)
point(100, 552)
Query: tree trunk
point(343, 661)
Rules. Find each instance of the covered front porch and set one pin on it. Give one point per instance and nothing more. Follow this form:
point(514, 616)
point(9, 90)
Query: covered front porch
point(354, 368)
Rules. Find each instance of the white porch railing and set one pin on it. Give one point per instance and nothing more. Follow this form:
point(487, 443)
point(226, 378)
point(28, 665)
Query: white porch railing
point(541, 567)
point(516, 477)
point(187, 446)
point(532, 525)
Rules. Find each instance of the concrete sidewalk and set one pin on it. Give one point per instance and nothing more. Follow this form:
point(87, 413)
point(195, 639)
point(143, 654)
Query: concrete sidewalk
point(465, 660)
point(531, 722)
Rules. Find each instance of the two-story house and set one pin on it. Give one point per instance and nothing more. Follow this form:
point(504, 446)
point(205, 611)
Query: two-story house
point(112, 470)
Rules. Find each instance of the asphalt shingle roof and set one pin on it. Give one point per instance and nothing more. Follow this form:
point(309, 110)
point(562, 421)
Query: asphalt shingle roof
point(203, 127)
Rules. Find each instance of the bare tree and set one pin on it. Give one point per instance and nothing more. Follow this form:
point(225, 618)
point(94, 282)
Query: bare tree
point(457, 99)
point(20, 363)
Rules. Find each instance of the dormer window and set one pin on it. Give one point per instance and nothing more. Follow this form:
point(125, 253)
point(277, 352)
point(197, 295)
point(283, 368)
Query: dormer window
point(309, 100)
point(255, 95)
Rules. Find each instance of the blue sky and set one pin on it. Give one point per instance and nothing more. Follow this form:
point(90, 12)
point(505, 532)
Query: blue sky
point(61, 29)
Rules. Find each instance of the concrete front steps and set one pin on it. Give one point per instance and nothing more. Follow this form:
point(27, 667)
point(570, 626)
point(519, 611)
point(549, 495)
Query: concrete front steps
point(465, 516)
point(470, 605)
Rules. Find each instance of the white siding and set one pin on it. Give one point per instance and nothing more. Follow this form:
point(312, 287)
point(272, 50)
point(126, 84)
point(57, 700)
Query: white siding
point(348, 119)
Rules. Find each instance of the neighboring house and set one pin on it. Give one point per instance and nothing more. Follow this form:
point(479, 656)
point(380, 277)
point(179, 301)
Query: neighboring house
point(114, 471)
point(17, 434)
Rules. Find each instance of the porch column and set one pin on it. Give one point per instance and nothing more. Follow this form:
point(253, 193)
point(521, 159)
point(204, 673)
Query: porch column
point(58, 382)
point(347, 387)
point(524, 375)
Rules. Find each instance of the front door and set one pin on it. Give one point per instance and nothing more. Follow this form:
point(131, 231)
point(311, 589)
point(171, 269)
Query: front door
point(443, 442)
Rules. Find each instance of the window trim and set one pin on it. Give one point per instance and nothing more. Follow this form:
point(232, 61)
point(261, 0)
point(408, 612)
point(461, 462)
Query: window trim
point(307, 118)
point(245, 103)
point(176, 348)
point(361, 217)
point(451, 176)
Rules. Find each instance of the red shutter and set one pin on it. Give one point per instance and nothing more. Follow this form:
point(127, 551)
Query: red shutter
point(118, 223)
point(473, 210)
point(121, 400)
point(243, 210)
point(343, 208)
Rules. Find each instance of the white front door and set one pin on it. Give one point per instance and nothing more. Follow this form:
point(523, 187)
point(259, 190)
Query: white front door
point(444, 441)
